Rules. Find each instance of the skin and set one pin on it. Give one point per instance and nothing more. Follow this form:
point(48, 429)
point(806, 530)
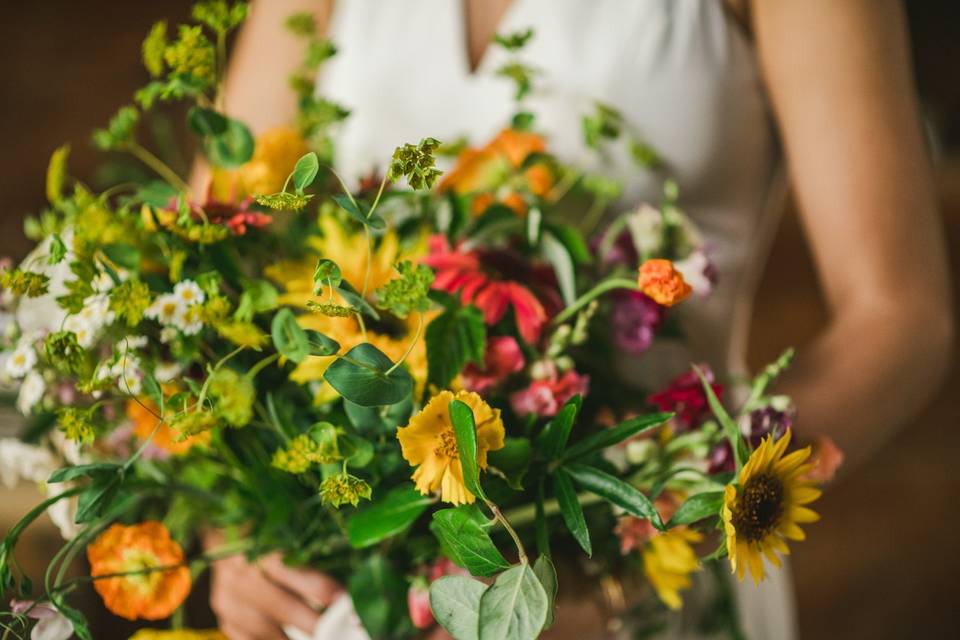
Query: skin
point(838, 75)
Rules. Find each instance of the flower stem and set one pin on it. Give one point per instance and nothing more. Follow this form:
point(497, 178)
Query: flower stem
point(257, 368)
point(588, 297)
point(506, 525)
point(366, 272)
point(159, 166)
point(413, 343)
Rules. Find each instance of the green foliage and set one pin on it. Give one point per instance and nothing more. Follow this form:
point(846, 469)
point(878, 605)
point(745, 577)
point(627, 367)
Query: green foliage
point(560, 259)
point(129, 300)
point(57, 174)
point(416, 163)
point(64, 352)
point(514, 41)
point(729, 425)
point(547, 575)
point(553, 439)
point(192, 54)
point(344, 488)
point(301, 24)
point(465, 431)
point(258, 296)
point(24, 283)
point(364, 376)
point(305, 171)
point(697, 507)
point(230, 145)
point(289, 339)
point(58, 250)
point(455, 603)
point(645, 156)
point(378, 592)
point(390, 516)
point(234, 394)
point(317, 446)
point(521, 75)
point(463, 535)
point(326, 274)
point(609, 437)
point(571, 510)
point(454, 338)
point(220, 16)
point(119, 133)
point(76, 425)
point(514, 607)
point(408, 293)
point(605, 123)
point(615, 491)
point(284, 201)
point(154, 49)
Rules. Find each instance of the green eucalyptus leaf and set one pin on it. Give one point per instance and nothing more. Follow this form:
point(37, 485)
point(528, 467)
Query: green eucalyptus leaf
point(321, 345)
point(616, 492)
point(206, 122)
point(455, 603)
point(462, 533)
point(305, 171)
point(547, 575)
point(465, 430)
point(326, 274)
point(391, 515)
point(289, 338)
point(361, 377)
point(231, 148)
point(514, 607)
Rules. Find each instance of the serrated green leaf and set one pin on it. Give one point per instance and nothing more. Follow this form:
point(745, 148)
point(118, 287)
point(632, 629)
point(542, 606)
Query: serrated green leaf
point(462, 534)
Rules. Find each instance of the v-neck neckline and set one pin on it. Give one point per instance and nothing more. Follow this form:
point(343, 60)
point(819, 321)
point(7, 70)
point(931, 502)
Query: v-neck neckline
point(463, 41)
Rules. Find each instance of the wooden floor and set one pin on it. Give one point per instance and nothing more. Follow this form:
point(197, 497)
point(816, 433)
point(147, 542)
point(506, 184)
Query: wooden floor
point(882, 563)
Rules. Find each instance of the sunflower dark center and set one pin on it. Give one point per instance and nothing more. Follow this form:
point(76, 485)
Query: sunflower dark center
point(448, 445)
point(759, 507)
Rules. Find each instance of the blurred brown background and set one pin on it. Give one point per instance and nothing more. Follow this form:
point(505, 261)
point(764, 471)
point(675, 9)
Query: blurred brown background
point(883, 561)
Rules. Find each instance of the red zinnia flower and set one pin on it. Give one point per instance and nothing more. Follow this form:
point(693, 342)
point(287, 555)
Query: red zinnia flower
point(462, 271)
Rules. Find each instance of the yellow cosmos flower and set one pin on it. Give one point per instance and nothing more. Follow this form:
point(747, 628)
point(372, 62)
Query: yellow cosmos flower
point(429, 444)
point(668, 561)
point(767, 506)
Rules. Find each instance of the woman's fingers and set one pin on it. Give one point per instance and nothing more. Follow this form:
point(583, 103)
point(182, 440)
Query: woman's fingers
point(316, 589)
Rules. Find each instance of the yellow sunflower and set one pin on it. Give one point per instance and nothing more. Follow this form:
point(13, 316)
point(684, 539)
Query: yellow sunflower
point(429, 444)
point(766, 506)
point(668, 561)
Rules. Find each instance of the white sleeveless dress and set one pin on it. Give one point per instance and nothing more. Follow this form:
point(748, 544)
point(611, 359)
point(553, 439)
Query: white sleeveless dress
point(680, 71)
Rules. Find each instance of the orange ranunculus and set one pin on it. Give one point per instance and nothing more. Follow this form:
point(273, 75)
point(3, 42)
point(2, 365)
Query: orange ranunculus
point(659, 280)
point(151, 595)
point(486, 168)
point(142, 413)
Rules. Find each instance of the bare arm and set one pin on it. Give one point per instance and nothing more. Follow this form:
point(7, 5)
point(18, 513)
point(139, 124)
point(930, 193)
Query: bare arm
point(840, 81)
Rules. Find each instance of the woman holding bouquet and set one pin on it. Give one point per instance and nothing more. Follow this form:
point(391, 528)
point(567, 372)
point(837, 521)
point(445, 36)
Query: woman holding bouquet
point(734, 96)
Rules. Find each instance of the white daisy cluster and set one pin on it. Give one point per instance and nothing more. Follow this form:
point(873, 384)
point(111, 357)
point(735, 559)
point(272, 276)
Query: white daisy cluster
point(126, 370)
point(90, 322)
point(180, 309)
point(21, 360)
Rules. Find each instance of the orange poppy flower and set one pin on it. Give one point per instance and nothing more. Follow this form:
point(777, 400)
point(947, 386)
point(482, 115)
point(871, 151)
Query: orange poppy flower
point(659, 280)
point(142, 413)
point(151, 595)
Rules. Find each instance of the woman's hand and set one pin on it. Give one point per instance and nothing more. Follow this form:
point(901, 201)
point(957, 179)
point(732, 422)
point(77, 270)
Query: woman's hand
point(254, 601)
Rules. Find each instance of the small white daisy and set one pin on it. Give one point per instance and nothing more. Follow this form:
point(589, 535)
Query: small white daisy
point(96, 310)
point(86, 331)
point(165, 309)
point(21, 361)
point(133, 342)
point(166, 371)
point(189, 292)
point(190, 321)
point(129, 375)
point(167, 335)
point(31, 391)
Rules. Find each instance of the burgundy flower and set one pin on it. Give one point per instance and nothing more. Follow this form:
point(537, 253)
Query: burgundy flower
point(635, 320)
point(685, 397)
point(502, 358)
point(759, 423)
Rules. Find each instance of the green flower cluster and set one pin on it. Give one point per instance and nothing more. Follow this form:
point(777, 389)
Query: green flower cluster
point(344, 488)
point(130, 300)
point(190, 423)
point(76, 424)
point(302, 452)
point(234, 394)
point(408, 292)
point(64, 352)
point(416, 163)
point(24, 283)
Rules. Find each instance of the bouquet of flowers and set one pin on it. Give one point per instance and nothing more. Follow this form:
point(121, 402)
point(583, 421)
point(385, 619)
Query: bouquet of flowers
point(404, 383)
